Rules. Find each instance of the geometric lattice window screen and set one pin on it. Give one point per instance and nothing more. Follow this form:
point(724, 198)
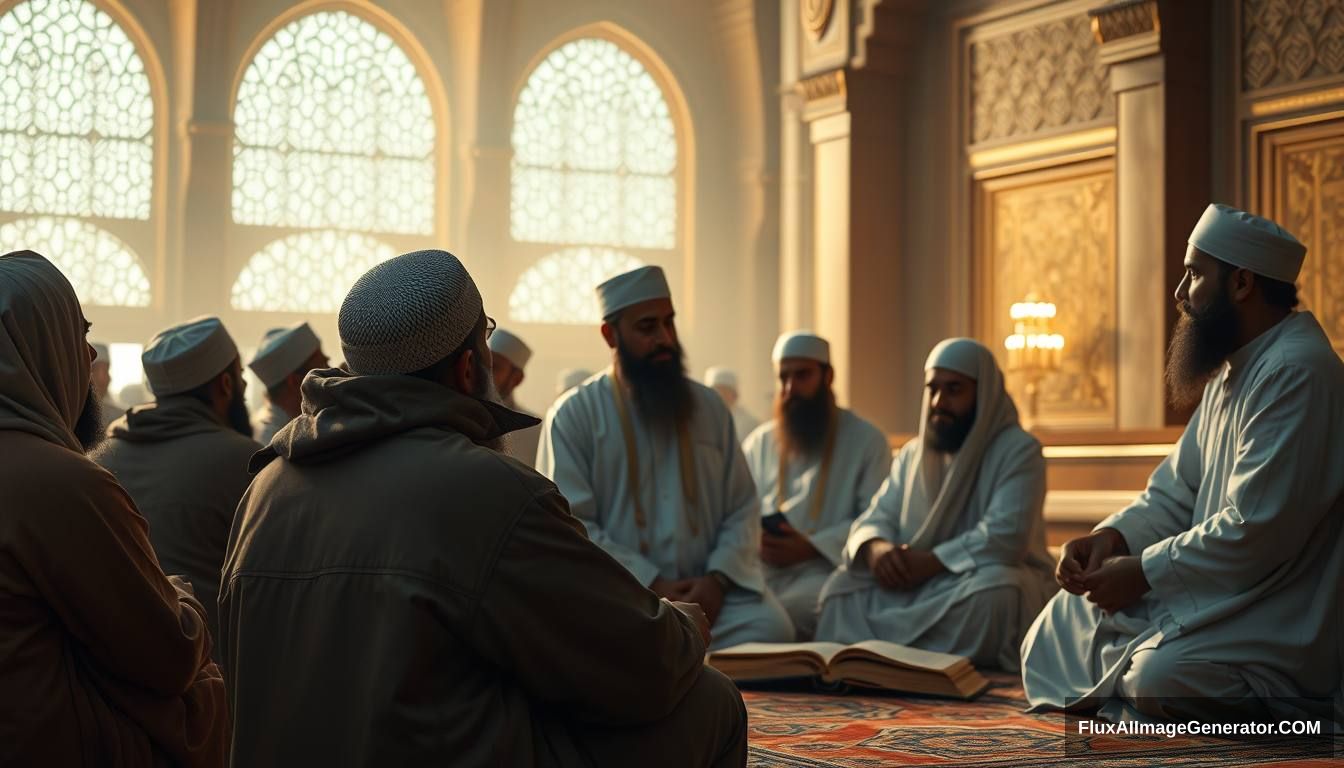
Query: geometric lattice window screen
point(307, 272)
point(76, 115)
point(102, 269)
point(559, 287)
point(333, 129)
point(594, 152)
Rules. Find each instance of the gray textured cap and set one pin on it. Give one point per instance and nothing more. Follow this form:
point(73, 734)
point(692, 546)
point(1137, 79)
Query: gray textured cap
point(408, 313)
point(188, 355)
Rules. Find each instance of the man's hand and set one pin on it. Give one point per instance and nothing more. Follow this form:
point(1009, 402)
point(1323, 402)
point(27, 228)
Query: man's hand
point(786, 547)
point(1080, 558)
point(920, 564)
point(697, 616)
point(706, 592)
point(671, 589)
point(1117, 584)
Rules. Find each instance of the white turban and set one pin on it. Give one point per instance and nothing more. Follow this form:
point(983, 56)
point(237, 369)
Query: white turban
point(510, 347)
point(718, 376)
point(1248, 241)
point(188, 355)
point(804, 344)
point(631, 288)
point(408, 313)
point(282, 351)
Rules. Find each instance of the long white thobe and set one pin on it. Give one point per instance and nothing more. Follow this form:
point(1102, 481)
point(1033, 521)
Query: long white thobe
point(999, 572)
point(1240, 534)
point(522, 444)
point(743, 423)
point(859, 464)
point(583, 452)
point(269, 420)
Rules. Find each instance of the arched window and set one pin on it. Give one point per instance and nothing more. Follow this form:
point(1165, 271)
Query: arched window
point(335, 134)
point(76, 140)
point(595, 163)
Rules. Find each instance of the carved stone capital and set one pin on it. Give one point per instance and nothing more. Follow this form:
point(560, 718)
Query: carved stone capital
point(1127, 30)
point(823, 94)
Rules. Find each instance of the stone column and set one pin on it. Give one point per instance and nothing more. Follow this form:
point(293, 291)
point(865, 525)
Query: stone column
point(1158, 55)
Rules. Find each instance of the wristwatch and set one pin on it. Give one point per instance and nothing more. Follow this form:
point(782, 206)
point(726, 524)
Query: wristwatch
point(725, 583)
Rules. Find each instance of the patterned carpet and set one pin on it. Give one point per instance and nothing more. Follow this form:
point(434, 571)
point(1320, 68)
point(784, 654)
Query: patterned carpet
point(790, 729)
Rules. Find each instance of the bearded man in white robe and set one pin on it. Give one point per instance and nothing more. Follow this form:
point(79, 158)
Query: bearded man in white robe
point(1220, 590)
point(816, 464)
point(649, 462)
point(509, 357)
point(951, 554)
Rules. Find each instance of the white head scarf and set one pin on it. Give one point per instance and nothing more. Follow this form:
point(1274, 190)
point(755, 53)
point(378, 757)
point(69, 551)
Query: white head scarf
point(936, 492)
point(44, 360)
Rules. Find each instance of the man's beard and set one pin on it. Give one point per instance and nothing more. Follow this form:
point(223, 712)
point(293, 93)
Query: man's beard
point(1200, 344)
point(948, 438)
point(803, 421)
point(239, 419)
point(89, 425)
point(662, 392)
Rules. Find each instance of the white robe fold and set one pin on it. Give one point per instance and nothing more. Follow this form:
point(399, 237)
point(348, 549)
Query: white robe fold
point(583, 451)
point(743, 423)
point(522, 444)
point(999, 572)
point(860, 463)
point(270, 419)
point(1241, 534)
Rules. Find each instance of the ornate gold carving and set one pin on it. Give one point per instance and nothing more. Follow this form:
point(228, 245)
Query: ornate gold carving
point(1308, 200)
point(1052, 233)
point(816, 16)
point(823, 86)
point(1319, 98)
point(1037, 79)
point(1284, 42)
point(1124, 19)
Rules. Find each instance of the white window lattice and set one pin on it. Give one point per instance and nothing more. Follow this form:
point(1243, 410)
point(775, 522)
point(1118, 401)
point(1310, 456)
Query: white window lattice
point(333, 130)
point(595, 152)
point(307, 272)
point(76, 114)
point(559, 287)
point(102, 269)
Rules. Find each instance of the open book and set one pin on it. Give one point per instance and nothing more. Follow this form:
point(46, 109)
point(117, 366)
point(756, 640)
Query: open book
point(870, 664)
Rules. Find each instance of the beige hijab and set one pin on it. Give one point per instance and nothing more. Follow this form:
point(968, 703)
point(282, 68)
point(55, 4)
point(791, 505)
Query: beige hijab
point(44, 360)
point(937, 490)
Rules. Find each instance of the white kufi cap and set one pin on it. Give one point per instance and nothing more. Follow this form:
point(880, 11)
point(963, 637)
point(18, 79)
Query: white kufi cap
point(631, 288)
point(1250, 242)
point(510, 347)
point(282, 351)
point(718, 376)
point(186, 356)
point(803, 344)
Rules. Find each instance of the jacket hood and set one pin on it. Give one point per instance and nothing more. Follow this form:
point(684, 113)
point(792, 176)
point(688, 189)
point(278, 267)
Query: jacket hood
point(165, 419)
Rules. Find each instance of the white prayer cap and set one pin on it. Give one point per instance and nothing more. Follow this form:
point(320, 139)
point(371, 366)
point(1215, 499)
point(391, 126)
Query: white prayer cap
point(803, 344)
point(630, 288)
point(718, 376)
point(408, 313)
point(1248, 241)
point(282, 351)
point(104, 354)
point(188, 355)
point(510, 347)
point(570, 378)
point(965, 356)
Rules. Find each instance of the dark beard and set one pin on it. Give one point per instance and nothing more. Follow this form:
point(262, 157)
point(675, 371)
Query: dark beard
point(662, 392)
point(950, 437)
point(803, 422)
point(89, 426)
point(240, 420)
point(1200, 344)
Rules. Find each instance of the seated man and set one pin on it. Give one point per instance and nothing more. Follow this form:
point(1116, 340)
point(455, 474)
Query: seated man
point(951, 554)
point(1218, 591)
point(509, 356)
point(397, 592)
point(818, 465)
point(650, 464)
point(104, 660)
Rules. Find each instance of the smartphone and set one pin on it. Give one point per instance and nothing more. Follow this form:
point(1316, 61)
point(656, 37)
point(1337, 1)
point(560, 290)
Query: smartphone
point(774, 523)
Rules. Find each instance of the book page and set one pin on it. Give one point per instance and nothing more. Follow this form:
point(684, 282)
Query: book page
point(904, 654)
point(823, 651)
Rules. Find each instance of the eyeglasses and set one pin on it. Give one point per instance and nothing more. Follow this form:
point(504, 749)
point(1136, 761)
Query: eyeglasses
point(490, 326)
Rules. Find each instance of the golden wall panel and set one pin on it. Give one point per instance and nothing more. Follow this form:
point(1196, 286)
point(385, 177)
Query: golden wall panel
point(1301, 166)
point(1052, 233)
point(1289, 41)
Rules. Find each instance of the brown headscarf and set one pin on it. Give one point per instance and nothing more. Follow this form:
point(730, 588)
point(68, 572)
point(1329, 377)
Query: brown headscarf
point(44, 360)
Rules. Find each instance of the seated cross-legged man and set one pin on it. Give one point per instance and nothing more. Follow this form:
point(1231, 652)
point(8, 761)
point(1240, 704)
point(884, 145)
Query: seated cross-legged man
point(951, 554)
point(397, 591)
point(1218, 591)
point(817, 466)
point(649, 462)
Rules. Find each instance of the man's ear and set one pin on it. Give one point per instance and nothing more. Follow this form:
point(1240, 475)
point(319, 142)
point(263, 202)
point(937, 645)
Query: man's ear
point(464, 372)
point(609, 334)
point(521, 376)
point(224, 385)
point(830, 376)
point(1241, 285)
